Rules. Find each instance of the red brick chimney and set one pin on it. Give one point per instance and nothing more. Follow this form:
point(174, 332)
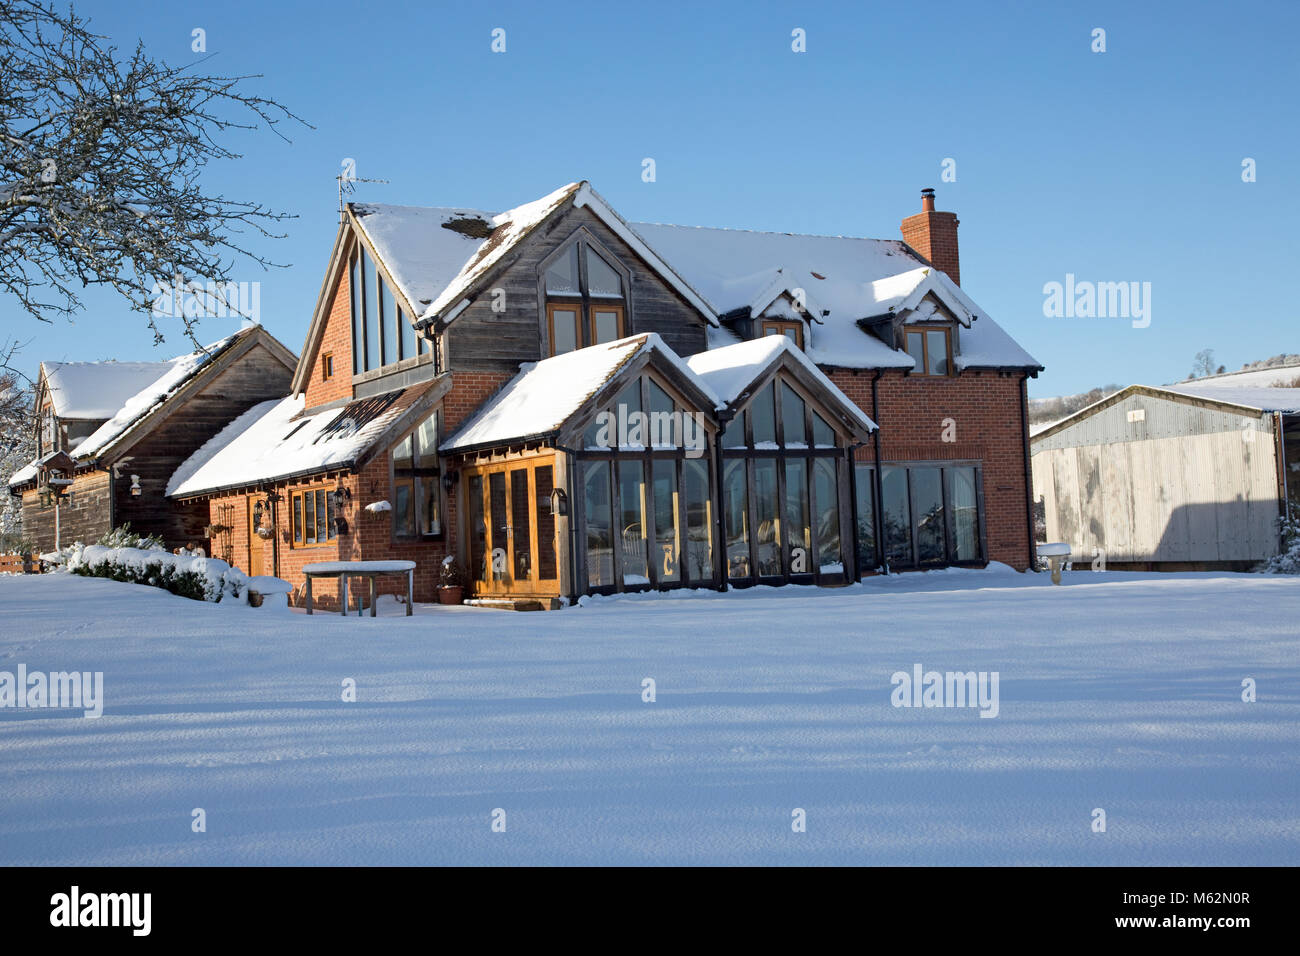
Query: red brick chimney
point(934, 235)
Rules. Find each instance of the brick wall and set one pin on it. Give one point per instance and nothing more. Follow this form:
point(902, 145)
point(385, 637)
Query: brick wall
point(336, 340)
point(934, 235)
point(985, 408)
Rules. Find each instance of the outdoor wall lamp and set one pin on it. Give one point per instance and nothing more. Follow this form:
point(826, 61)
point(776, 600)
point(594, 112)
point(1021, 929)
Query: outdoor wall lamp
point(450, 479)
point(559, 502)
point(136, 490)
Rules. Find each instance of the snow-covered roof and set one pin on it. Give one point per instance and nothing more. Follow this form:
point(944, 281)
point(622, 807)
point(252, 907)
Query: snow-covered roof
point(542, 397)
point(175, 374)
point(1285, 400)
point(275, 440)
point(842, 280)
point(436, 255)
point(96, 390)
point(435, 265)
point(729, 371)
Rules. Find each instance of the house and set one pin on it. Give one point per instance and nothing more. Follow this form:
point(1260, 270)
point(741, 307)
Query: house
point(1191, 476)
point(570, 403)
point(110, 435)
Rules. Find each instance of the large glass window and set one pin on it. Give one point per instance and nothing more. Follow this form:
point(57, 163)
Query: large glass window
point(963, 507)
point(826, 493)
point(768, 515)
point(598, 501)
point(371, 305)
point(585, 294)
point(927, 512)
point(382, 333)
point(417, 484)
point(931, 514)
point(735, 502)
point(897, 515)
point(699, 519)
point(798, 528)
point(632, 521)
point(865, 493)
point(792, 417)
point(667, 549)
point(762, 416)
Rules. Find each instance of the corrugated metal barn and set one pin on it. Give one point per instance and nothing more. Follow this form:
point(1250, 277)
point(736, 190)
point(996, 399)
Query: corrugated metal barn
point(1189, 476)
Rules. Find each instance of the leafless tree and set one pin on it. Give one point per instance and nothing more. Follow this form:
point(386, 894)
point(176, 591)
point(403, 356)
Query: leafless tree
point(101, 156)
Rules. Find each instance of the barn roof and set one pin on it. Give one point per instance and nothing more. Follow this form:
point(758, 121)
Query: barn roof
point(1255, 401)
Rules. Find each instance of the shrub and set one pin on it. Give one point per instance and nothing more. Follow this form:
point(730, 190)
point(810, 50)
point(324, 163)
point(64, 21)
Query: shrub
point(453, 574)
point(201, 578)
point(1288, 561)
point(124, 537)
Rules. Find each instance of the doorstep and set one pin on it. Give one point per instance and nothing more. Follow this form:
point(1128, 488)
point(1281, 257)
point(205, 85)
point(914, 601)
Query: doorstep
point(515, 604)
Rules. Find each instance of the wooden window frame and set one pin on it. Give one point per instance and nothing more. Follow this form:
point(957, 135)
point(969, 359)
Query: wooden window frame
point(327, 366)
point(648, 455)
point(571, 305)
point(923, 330)
point(585, 303)
point(781, 326)
point(331, 536)
point(418, 475)
point(595, 307)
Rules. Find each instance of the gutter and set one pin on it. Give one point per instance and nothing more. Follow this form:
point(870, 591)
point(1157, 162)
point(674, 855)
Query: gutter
point(877, 516)
point(1029, 472)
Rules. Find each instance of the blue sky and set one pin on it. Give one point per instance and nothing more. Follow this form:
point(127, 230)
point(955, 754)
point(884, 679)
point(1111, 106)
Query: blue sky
point(1115, 166)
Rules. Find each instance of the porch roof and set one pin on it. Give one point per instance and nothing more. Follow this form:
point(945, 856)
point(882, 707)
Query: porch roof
point(277, 441)
point(732, 370)
point(544, 395)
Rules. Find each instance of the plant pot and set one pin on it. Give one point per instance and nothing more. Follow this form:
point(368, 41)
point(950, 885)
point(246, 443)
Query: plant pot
point(450, 594)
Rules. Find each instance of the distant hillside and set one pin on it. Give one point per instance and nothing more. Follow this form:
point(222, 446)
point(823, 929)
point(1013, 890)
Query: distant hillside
point(1279, 371)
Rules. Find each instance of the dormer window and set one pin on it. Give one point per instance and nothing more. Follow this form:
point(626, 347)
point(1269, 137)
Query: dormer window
point(931, 347)
point(585, 298)
point(791, 330)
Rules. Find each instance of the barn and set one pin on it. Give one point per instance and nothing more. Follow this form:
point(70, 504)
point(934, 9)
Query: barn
point(1190, 476)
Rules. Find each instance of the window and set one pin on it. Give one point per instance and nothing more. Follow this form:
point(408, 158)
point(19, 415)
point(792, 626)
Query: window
point(781, 490)
point(931, 514)
point(647, 518)
point(312, 514)
point(791, 330)
point(584, 299)
point(382, 333)
point(931, 348)
point(417, 485)
point(327, 366)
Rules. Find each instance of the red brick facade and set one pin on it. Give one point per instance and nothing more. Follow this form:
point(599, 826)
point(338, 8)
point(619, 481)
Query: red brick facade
point(985, 413)
point(336, 342)
point(934, 235)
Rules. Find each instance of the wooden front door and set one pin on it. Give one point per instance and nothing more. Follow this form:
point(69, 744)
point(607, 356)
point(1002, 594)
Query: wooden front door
point(511, 530)
point(256, 515)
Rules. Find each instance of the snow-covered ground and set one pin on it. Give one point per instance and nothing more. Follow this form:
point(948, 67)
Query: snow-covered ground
point(1117, 691)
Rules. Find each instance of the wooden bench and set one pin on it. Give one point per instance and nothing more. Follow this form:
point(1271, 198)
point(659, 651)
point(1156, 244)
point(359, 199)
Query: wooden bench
point(343, 570)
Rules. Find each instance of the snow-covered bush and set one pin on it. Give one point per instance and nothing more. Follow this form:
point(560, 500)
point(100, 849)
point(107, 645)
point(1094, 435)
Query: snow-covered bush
point(201, 578)
point(1288, 562)
point(124, 537)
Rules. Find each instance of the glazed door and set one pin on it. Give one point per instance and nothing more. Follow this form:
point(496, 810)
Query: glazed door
point(255, 541)
point(512, 546)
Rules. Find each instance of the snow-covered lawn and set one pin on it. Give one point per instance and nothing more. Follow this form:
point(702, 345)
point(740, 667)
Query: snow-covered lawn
point(1118, 691)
